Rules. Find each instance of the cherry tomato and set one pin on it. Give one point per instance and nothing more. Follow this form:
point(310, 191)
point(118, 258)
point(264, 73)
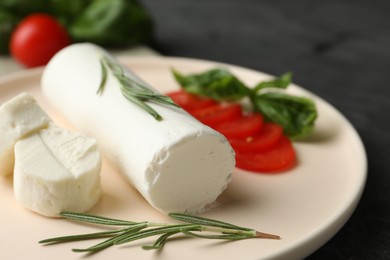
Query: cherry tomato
point(214, 115)
point(189, 101)
point(241, 127)
point(280, 157)
point(264, 140)
point(36, 39)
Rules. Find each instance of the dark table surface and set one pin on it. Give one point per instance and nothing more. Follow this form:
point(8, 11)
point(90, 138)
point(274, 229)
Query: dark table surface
point(340, 50)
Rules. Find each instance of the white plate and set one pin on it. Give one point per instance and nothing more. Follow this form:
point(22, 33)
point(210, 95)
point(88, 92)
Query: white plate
point(306, 206)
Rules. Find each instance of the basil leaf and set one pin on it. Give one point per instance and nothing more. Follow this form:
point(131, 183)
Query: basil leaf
point(280, 82)
point(25, 7)
point(66, 12)
point(218, 84)
point(113, 23)
point(295, 114)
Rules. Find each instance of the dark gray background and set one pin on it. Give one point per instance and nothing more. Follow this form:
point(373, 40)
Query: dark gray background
point(339, 50)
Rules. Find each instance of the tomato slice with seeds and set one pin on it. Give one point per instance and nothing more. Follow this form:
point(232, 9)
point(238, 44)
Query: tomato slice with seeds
point(242, 127)
point(280, 157)
point(264, 140)
point(189, 101)
point(214, 115)
point(260, 147)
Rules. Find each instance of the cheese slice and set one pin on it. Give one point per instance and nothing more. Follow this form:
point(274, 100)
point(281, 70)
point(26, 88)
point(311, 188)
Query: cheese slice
point(177, 164)
point(57, 170)
point(19, 117)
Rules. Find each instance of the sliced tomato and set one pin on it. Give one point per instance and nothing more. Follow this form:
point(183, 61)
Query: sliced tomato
point(242, 127)
point(189, 101)
point(280, 157)
point(214, 115)
point(264, 140)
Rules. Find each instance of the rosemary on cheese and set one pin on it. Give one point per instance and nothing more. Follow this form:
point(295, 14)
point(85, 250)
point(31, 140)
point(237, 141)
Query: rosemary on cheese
point(132, 89)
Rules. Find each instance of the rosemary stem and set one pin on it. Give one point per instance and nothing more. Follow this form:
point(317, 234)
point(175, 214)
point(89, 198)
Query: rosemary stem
point(266, 235)
point(129, 231)
point(249, 233)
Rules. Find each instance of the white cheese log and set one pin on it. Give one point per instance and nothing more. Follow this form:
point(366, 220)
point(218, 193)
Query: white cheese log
point(57, 170)
point(177, 164)
point(19, 117)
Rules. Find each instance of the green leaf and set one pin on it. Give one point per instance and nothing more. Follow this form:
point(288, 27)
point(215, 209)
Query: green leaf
point(205, 221)
point(218, 84)
point(160, 242)
point(25, 7)
point(66, 11)
point(140, 102)
point(223, 236)
point(296, 115)
point(280, 82)
point(103, 245)
point(123, 233)
point(132, 89)
point(157, 231)
point(88, 218)
point(113, 23)
point(103, 79)
point(72, 238)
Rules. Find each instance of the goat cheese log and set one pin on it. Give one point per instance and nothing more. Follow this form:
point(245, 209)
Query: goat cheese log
point(177, 164)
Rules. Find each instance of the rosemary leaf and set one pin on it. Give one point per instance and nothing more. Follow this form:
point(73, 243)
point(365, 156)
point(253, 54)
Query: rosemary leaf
point(79, 237)
point(158, 231)
point(236, 236)
point(132, 89)
point(98, 247)
point(141, 104)
point(81, 217)
point(104, 78)
point(205, 221)
point(112, 241)
point(160, 242)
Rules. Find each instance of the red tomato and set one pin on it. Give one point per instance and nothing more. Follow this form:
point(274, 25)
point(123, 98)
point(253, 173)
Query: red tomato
point(36, 39)
point(242, 127)
point(264, 140)
point(189, 101)
point(280, 157)
point(217, 114)
point(259, 146)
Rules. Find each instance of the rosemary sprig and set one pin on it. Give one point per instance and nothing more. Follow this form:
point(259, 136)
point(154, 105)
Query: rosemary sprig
point(193, 226)
point(132, 89)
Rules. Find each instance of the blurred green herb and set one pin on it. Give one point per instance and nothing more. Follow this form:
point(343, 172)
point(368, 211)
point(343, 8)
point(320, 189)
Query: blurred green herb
point(295, 114)
point(129, 231)
point(8, 22)
point(114, 23)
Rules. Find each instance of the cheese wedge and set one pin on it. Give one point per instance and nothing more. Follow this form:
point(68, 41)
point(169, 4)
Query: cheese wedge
point(57, 170)
point(19, 117)
point(177, 164)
